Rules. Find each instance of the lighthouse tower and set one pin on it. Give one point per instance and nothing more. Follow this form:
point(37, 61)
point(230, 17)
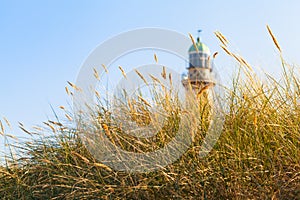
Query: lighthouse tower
point(200, 69)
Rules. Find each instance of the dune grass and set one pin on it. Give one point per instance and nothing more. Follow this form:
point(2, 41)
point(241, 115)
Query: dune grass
point(256, 157)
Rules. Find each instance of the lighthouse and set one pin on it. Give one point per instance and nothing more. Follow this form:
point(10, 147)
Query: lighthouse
point(200, 67)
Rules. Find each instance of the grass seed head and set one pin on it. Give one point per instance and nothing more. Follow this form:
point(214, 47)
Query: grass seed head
point(215, 54)
point(96, 75)
point(226, 50)
point(69, 117)
point(1, 128)
point(222, 38)
point(97, 94)
point(67, 90)
point(105, 68)
point(274, 38)
point(155, 58)
point(123, 72)
point(194, 43)
point(164, 74)
point(7, 122)
point(141, 76)
point(74, 86)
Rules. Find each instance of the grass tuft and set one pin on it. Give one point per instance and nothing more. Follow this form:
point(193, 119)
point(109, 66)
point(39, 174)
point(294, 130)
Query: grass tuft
point(256, 156)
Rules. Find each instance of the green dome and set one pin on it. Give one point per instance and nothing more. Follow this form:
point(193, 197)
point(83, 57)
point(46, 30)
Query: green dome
point(201, 47)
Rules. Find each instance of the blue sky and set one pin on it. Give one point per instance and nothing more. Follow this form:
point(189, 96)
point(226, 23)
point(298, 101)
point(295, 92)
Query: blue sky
point(44, 43)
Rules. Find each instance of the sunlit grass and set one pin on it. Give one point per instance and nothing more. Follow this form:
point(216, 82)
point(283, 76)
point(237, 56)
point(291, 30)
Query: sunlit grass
point(256, 157)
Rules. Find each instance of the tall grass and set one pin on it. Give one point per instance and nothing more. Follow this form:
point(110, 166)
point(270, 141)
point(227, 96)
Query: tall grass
point(256, 157)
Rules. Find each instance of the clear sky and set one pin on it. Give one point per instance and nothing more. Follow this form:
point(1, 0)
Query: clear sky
point(44, 43)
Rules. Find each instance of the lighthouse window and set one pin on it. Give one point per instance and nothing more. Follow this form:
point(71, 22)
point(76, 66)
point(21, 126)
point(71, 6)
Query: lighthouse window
point(198, 60)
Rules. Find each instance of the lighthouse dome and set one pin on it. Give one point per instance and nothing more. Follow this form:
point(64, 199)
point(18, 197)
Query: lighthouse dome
point(201, 48)
point(199, 55)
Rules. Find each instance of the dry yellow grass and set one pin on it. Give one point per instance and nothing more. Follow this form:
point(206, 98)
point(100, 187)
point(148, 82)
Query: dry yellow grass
point(123, 72)
point(256, 157)
point(274, 38)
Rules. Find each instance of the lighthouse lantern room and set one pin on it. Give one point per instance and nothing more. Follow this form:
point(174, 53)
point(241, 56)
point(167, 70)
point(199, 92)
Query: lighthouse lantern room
point(200, 67)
